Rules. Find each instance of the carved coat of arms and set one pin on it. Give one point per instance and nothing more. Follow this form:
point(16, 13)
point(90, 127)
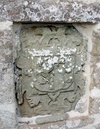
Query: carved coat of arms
point(50, 69)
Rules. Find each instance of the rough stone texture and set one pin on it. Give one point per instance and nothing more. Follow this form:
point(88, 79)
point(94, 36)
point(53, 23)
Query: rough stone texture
point(61, 11)
point(52, 11)
point(51, 119)
point(49, 69)
point(96, 57)
point(92, 32)
point(92, 122)
point(88, 31)
point(7, 100)
point(95, 77)
point(48, 11)
point(10, 9)
point(83, 123)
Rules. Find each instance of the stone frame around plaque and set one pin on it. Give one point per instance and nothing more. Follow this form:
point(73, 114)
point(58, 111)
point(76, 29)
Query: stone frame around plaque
point(86, 19)
point(26, 52)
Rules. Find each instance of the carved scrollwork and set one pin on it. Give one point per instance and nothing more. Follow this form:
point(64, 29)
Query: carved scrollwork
point(50, 71)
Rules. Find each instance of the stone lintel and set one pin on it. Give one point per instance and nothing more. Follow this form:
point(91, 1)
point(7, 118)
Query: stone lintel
point(43, 11)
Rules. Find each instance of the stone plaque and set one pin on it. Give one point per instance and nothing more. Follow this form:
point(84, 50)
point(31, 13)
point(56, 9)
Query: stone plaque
point(50, 69)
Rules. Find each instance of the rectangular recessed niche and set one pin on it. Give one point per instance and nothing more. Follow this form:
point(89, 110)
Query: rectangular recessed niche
point(50, 65)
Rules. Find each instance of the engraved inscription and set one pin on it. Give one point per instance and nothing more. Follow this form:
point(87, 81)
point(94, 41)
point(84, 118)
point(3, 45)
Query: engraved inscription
point(50, 69)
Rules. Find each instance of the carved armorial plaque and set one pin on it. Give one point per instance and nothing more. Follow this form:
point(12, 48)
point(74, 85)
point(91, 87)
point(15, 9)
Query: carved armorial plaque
point(50, 69)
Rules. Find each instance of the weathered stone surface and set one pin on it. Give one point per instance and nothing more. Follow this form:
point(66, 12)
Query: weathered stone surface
point(92, 32)
point(50, 69)
point(95, 69)
point(96, 58)
point(51, 119)
point(83, 123)
point(10, 10)
point(49, 11)
point(87, 30)
point(95, 105)
point(61, 11)
point(7, 120)
point(96, 42)
point(6, 44)
point(7, 95)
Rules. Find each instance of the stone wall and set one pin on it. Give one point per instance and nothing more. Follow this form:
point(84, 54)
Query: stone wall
point(85, 17)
